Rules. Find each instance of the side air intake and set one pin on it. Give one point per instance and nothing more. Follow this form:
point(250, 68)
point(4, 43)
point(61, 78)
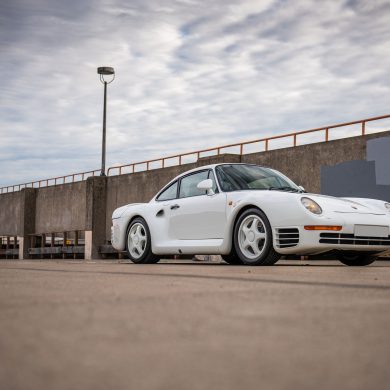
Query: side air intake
point(287, 237)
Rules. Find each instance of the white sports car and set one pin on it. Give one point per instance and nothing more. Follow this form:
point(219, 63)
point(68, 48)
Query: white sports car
point(250, 215)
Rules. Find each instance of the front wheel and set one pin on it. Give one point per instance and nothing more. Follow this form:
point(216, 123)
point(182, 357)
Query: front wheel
point(357, 260)
point(252, 239)
point(139, 243)
point(232, 258)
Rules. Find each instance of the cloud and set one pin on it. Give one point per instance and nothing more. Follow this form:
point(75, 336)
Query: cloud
point(190, 74)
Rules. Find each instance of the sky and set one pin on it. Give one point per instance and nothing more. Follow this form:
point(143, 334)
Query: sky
point(189, 75)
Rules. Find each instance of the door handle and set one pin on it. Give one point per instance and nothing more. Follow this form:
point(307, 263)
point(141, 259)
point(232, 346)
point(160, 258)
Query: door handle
point(175, 206)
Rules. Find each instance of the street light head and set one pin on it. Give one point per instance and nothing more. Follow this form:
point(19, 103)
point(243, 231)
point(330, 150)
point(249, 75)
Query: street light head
point(105, 70)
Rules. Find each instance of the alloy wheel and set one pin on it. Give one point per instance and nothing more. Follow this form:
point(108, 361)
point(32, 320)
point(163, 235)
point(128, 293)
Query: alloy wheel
point(137, 240)
point(252, 237)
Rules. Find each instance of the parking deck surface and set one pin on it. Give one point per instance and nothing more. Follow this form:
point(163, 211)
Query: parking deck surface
point(296, 325)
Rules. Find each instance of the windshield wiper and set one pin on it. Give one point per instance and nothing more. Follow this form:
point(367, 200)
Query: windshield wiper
point(286, 188)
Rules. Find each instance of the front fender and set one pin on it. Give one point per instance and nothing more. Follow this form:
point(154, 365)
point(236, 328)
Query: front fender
point(281, 209)
point(120, 224)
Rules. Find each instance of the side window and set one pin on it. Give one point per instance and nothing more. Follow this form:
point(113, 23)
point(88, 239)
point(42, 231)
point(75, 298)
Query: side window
point(169, 193)
point(188, 185)
point(212, 177)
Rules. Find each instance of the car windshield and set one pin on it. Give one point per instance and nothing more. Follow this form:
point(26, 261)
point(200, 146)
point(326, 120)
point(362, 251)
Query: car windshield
point(237, 177)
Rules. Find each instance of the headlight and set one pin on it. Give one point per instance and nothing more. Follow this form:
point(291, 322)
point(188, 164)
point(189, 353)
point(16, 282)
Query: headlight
point(387, 205)
point(311, 205)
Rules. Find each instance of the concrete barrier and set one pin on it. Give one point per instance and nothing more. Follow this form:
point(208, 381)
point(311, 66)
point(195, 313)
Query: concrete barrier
point(11, 213)
point(61, 208)
point(87, 206)
point(303, 163)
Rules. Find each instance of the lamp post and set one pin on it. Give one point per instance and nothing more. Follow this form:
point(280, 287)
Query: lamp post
point(105, 71)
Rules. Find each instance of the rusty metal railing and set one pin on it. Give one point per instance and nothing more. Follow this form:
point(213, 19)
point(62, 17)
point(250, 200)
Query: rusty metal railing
point(162, 162)
point(72, 178)
point(241, 145)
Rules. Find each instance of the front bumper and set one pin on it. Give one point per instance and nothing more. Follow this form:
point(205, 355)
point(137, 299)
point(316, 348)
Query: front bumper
point(298, 241)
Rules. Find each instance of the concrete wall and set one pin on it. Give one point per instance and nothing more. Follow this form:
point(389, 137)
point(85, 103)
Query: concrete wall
point(88, 205)
point(368, 177)
point(378, 150)
point(303, 164)
point(61, 208)
point(10, 214)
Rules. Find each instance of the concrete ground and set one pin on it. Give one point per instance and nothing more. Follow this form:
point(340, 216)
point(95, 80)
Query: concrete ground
point(297, 325)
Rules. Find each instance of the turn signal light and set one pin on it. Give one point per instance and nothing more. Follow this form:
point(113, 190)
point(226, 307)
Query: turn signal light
point(320, 227)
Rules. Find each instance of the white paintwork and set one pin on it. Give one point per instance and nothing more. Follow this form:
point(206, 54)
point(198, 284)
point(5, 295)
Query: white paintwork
point(204, 224)
point(198, 218)
point(206, 185)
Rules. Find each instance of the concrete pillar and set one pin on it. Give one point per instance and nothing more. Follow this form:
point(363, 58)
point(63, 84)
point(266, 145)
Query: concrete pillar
point(52, 242)
point(27, 223)
point(76, 242)
point(95, 231)
point(23, 248)
point(8, 246)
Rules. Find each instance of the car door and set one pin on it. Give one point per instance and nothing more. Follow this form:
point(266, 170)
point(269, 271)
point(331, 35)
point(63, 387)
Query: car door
point(194, 214)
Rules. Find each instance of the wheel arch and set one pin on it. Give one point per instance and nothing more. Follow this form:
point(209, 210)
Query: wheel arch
point(132, 218)
point(126, 224)
point(237, 216)
point(147, 256)
point(271, 256)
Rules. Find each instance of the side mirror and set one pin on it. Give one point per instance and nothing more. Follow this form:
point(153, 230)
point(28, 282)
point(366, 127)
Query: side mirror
point(300, 187)
point(206, 185)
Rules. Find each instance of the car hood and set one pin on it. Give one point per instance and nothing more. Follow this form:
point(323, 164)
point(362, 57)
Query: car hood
point(340, 205)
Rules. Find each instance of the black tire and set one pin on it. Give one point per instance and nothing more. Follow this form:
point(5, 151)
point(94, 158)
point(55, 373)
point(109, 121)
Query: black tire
point(268, 255)
point(356, 260)
point(147, 256)
point(232, 258)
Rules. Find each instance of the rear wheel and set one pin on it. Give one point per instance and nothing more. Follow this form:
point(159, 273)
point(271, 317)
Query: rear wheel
point(252, 239)
point(356, 260)
point(139, 243)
